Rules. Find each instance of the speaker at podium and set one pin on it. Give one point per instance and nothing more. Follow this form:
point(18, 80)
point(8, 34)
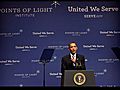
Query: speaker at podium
point(80, 78)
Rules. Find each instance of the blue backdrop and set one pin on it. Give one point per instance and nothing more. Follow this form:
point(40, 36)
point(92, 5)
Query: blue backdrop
point(28, 27)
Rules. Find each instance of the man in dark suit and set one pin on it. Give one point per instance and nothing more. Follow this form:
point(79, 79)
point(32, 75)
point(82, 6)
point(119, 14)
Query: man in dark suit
point(73, 61)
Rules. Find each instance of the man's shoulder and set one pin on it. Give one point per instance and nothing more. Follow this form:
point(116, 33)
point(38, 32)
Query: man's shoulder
point(80, 55)
point(66, 56)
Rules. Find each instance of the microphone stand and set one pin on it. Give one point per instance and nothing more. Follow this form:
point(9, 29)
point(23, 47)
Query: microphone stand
point(44, 74)
point(44, 62)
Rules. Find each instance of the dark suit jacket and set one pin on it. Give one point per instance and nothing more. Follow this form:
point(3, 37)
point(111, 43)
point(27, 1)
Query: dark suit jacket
point(67, 64)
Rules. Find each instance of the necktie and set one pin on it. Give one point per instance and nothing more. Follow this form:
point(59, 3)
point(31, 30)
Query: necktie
point(73, 58)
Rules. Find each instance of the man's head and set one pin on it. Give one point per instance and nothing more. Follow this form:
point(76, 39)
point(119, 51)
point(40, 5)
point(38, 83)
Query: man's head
point(73, 47)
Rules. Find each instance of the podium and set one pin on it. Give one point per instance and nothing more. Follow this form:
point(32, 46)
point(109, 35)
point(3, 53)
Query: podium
point(80, 78)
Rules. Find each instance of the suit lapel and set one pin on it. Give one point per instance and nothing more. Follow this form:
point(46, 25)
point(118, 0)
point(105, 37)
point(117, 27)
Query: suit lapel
point(77, 57)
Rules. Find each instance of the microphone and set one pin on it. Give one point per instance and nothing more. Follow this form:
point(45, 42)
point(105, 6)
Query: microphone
point(77, 64)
